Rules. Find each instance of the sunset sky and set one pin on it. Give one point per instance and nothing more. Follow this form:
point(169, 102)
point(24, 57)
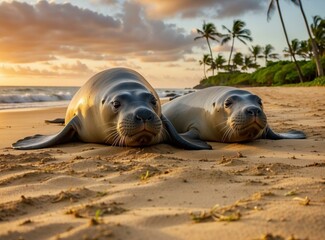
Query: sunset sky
point(66, 42)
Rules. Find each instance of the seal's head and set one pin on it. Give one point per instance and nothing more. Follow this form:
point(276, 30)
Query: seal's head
point(134, 118)
point(246, 119)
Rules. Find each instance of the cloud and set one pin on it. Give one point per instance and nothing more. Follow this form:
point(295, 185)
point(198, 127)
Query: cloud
point(204, 8)
point(65, 69)
point(77, 67)
point(105, 2)
point(236, 8)
point(48, 31)
point(223, 48)
point(169, 65)
point(26, 70)
point(190, 59)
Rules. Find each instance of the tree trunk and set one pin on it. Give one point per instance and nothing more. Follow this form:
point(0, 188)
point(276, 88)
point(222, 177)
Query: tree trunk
point(205, 75)
point(319, 66)
point(211, 55)
point(301, 77)
point(232, 48)
point(265, 61)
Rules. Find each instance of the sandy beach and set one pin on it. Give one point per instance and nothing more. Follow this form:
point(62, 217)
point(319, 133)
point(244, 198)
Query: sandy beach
point(259, 190)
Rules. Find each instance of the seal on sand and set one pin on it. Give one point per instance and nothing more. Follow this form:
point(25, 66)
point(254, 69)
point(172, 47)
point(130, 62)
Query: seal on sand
point(222, 114)
point(115, 107)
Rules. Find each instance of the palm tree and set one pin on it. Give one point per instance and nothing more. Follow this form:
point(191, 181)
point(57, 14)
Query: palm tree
point(320, 70)
point(238, 31)
point(237, 60)
point(267, 53)
point(219, 61)
point(295, 48)
point(256, 52)
point(269, 11)
point(206, 60)
point(306, 49)
point(318, 29)
point(209, 31)
point(248, 63)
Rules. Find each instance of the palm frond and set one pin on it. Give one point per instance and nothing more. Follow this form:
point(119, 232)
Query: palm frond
point(225, 28)
point(270, 9)
point(225, 40)
point(213, 38)
point(241, 40)
point(247, 38)
point(199, 31)
point(296, 2)
point(196, 38)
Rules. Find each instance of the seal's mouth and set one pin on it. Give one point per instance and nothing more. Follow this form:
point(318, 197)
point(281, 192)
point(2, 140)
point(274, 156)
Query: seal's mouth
point(251, 131)
point(253, 125)
point(246, 130)
point(140, 133)
point(144, 130)
point(143, 137)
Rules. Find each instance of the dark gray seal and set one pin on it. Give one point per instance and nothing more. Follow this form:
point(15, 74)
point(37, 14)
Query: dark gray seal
point(115, 107)
point(222, 114)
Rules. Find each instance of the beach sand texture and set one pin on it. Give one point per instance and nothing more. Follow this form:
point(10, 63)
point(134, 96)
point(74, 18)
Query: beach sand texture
point(235, 191)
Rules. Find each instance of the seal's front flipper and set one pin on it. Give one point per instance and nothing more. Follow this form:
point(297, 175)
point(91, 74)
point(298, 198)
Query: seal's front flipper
point(43, 141)
point(293, 134)
point(55, 121)
point(183, 141)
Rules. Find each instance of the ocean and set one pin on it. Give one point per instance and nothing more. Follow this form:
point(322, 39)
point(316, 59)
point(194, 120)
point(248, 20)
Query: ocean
point(41, 97)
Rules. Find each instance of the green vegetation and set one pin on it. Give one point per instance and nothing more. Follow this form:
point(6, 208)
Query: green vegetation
point(306, 67)
point(274, 74)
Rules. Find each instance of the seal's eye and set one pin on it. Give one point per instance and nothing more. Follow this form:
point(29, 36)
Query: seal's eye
point(154, 101)
point(228, 103)
point(259, 101)
point(116, 104)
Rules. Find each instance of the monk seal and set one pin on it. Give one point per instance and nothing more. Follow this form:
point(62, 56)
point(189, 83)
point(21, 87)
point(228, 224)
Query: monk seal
point(222, 114)
point(115, 107)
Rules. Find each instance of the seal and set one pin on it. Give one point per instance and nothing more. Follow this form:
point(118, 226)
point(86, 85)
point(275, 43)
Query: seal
point(115, 107)
point(222, 114)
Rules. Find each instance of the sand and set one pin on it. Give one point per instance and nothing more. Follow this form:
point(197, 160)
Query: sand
point(259, 190)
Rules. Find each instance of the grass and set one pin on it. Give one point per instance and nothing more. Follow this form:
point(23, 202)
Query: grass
point(222, 214)
point(145, 176)
point(303, 201)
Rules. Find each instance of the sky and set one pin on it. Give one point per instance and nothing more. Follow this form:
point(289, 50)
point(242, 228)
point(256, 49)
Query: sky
point(64, 43)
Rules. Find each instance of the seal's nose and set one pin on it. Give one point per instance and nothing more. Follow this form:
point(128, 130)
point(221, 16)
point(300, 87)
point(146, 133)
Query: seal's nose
point(143, 115)
point(253, 111)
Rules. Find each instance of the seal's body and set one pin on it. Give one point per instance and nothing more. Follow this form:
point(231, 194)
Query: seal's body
point(108, 100)
point(222, 114)
point(115, 107)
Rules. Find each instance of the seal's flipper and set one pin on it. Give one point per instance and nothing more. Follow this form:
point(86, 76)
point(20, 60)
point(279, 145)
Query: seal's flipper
point(43, 141)
point(293, 134)
point(56, 121)
point(185, 142)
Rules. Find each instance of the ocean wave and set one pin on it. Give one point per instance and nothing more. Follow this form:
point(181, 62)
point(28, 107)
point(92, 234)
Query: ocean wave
point(172, 93)
point(35, 97)
point(38, 97)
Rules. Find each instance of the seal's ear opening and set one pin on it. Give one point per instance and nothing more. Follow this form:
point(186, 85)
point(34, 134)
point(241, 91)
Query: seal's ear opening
point(183, 142)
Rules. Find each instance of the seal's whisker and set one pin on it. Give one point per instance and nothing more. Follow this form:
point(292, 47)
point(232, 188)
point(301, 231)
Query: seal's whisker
point(225, 134)
point(228, 134)
point(222, 123)
point(122, 140)
point(163, 134)
point(112, 135)
point(116, 140)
